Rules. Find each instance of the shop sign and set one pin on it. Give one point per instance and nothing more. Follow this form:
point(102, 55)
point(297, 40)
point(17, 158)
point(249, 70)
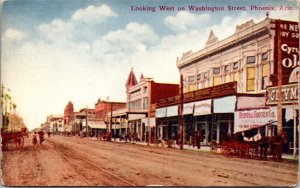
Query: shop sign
point(188, 108)
point(289, 94)
point(249, 119)
point(202, 107)
point(212, 92)
point(288, 45)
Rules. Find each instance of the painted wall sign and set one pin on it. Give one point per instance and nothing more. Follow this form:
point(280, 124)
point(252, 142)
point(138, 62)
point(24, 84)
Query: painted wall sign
point(287, 42)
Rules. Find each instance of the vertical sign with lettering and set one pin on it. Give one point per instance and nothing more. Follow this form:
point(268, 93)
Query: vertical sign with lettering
point(289, 46)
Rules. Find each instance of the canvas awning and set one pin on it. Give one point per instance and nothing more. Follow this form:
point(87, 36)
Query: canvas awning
point(152, 121)
point(188, 108)
point(202, 107)
point(248, 102)
point(224, 105)
point(161, 112)
point(172, 111)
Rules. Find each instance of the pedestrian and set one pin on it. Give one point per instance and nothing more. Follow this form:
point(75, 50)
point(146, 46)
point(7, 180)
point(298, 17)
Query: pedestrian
point(41, 136)
point(198, 139)
point(191, 140)
point(49, 133)
point(34, 140)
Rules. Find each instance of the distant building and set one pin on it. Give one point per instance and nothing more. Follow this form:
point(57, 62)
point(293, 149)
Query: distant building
point(55, 123)
point(68, 113)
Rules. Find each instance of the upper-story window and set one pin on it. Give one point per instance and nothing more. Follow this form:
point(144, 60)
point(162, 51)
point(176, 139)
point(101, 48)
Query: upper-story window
point(251, 59)
point(145, 89)
point(226, 68)
point(235, 65)
point(264, 56)
point(205, 76)
point(199, 77)
point(216, 70)
point(191, 78)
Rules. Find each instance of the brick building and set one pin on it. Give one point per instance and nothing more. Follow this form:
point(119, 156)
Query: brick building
point(139, 96)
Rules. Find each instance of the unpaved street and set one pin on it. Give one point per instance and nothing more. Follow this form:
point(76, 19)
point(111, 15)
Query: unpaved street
point(71, 161)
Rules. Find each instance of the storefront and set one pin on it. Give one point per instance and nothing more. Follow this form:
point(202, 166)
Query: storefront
point(290, 113)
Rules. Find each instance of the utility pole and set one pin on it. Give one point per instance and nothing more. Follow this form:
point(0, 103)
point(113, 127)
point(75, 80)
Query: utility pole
point(279, 70)
point(148, 80)
point(180, 112)
point(86, 120)
point(110, 126)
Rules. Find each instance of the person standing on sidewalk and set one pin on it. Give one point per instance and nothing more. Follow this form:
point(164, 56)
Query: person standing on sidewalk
point(198, 139)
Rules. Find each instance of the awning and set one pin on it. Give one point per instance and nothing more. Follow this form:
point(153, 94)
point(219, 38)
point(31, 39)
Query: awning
point(172, 111)
point(161, 112)
point(95, 124)
point(225, 104)
point(188, 108)
point(152, 122)
point(135, 116)
point(247, 102)
point(202, 107)
point(249, 119)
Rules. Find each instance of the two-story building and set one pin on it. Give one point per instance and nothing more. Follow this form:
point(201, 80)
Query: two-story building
point(139, 96)
point(229, 76)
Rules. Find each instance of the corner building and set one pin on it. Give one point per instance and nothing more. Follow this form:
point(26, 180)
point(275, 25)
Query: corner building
point(225, 77)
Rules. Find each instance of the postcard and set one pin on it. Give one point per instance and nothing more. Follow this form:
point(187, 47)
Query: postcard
point(150, 93)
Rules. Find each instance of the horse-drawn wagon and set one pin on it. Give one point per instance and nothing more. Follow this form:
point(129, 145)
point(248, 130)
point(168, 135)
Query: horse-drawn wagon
point(256, 147)
point(16, 138)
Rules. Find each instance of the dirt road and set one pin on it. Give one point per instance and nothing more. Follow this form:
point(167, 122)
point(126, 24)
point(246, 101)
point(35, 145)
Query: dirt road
point(70, 161)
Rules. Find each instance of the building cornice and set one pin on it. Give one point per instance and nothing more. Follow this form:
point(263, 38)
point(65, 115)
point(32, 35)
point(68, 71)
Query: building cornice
point(239, 38)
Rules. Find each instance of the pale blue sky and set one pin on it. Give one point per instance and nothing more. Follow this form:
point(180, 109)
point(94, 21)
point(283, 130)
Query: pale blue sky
point(62, 50)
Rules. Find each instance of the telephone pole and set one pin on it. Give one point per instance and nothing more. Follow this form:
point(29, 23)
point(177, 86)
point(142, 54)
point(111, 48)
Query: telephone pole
point(180, 112)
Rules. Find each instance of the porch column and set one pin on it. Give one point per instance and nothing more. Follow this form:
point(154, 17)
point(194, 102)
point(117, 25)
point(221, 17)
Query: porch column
point(218, 131)
point(229, 125)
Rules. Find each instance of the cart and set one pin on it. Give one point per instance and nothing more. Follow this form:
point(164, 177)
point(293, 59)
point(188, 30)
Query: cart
point(236, 146)
point(15, 138)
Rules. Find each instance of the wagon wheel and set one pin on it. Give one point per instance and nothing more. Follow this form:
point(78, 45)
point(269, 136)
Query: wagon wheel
point(21, 142)
point(4, 144)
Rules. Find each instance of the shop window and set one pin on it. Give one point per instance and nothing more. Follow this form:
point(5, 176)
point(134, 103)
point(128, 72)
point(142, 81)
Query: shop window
point(265, 72)
point(250, 78)
point(145, 103)
point(250, 59)
point(226, 68)
point(191, 78)
point(199, 77)
point(264, 56)
point(236, 76)
point(216, 70)
point(216, 80)
point(235, 65)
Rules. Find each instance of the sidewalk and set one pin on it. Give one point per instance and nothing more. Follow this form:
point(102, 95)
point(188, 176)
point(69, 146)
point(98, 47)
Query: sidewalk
point(289, 157)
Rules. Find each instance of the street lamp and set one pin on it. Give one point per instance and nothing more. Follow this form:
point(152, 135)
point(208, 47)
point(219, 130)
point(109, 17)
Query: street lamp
point(149, 80)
